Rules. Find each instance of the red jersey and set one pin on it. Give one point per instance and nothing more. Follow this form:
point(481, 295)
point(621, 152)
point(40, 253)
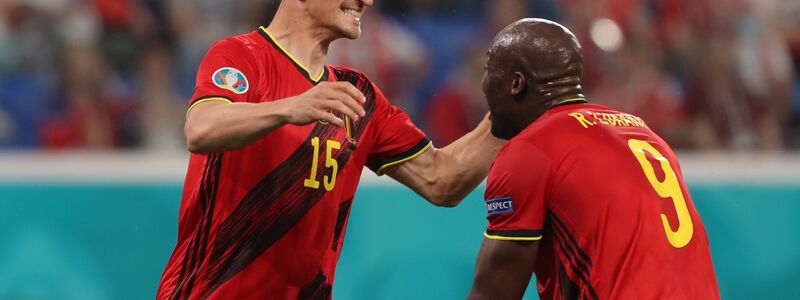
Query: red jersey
point(606, 198)
point(267, 221)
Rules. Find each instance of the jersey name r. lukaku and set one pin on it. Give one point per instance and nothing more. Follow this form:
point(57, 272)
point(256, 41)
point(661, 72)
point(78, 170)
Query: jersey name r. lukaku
point(606, 198)
point(268, 221)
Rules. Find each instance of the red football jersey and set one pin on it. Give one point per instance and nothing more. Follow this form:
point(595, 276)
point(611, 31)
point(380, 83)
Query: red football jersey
point(267, 221)
point(606, 198)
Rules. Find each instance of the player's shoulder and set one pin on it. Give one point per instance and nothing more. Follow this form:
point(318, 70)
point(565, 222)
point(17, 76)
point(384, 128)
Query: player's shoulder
point(246, 44)
point(519, 151)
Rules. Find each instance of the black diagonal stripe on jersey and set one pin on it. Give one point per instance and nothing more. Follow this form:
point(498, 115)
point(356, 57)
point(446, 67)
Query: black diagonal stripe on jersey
point(317, 290)
point(365, 86)
point(277, 202)
point(190, 257)
point(571, 251)
point(569, 290)
point(207, 226)
point(207, 196)
point(578, 268)
point(572, 240)
point(341, 218)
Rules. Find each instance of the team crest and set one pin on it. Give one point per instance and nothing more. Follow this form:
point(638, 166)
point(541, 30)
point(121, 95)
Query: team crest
point(231, 79)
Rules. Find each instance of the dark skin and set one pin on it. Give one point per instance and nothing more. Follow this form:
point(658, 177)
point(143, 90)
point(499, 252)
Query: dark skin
point(532, 65)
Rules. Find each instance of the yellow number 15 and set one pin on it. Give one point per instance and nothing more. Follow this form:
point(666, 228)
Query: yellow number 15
point(330, 162)
point(669, 188)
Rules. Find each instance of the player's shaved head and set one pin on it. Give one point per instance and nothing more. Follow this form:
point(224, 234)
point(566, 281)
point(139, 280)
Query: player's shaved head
point(544, 49)
point(532, 64)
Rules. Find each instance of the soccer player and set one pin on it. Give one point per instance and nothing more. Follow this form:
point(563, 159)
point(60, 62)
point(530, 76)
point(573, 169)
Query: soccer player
point(586, 197)
point(279, 141)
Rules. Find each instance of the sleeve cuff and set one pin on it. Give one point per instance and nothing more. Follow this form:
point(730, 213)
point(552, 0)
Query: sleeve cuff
point(200, 100)
point(381, 164)
point(514, 235)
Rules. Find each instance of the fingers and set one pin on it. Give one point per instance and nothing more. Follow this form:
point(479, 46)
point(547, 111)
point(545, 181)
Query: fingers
point(350, 90)
point(330, 118)
point(350, 96)
point(330, 98)
point(341, 107)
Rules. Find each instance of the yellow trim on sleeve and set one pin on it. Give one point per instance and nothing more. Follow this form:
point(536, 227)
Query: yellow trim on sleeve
point(384, 166)
point(505, 238)
point(315, 78)
point(206, 100)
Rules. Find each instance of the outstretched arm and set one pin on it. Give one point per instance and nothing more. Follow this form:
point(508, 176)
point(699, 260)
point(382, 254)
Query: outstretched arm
point(504, 269)
point(445, 176)
point(216, 126)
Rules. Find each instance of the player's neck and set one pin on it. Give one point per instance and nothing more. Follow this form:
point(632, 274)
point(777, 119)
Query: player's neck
point(307, 45)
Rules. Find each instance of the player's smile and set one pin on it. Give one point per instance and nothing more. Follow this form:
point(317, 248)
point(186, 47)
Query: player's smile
point(355, 14)
point(349, 17)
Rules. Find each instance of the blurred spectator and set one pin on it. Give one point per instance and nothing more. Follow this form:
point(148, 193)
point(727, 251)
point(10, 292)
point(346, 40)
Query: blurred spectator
point(743, 103)
point(784, 14)
point(394, 58)
point(117, 73)
point(457, 106)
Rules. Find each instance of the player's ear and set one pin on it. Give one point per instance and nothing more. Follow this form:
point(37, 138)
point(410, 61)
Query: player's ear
point(518, 85)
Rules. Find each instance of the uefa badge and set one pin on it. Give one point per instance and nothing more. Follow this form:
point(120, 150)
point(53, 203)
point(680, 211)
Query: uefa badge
point(231, 79)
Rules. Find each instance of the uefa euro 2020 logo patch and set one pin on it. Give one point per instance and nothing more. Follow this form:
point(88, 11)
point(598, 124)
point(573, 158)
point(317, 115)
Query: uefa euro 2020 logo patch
point(499, 206)
point(231, 79)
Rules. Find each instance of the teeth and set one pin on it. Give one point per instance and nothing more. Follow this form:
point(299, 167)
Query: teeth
point(352, 12)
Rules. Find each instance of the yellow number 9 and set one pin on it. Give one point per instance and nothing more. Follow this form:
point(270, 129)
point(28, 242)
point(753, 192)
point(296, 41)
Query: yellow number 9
point(669, 188)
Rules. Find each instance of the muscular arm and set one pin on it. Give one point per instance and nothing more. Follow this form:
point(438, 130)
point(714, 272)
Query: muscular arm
point(445, 176)
point(217, 126)
point(504, 269)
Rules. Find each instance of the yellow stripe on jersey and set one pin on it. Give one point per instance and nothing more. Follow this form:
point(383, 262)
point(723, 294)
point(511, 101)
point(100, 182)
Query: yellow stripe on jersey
point(400, 161)
point(505, 238)
point(206, 100)
point(314, 78)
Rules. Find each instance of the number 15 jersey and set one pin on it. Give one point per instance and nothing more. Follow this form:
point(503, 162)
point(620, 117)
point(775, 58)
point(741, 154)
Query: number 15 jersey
point(268, 221)
point(606, 198)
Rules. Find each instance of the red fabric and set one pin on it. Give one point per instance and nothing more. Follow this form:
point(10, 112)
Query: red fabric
point(586, 193)
point(249, 227)
point(446, 115)
point(115, 13)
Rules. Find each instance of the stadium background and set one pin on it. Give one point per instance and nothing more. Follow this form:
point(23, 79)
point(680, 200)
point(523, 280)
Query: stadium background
point(93, 93)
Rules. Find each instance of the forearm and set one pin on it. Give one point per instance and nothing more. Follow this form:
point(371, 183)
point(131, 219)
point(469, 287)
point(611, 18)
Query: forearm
point(464, 164)
point(445, 176)
point(231, 126)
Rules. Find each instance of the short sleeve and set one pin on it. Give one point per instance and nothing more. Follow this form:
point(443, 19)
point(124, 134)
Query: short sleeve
point(397, 139)
point(517, 192)
point(225, 74)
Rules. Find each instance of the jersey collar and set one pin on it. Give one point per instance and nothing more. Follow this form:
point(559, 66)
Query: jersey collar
point(565, 102)
point(322, 76)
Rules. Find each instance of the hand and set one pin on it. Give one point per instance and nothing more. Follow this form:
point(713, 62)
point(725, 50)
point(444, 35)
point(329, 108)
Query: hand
point(320, 102)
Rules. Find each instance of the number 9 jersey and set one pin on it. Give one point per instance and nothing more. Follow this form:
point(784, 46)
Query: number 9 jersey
point(605, 197)
point(267, 221)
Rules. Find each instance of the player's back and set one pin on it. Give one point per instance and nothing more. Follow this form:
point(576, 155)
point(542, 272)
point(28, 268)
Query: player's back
point(620, 221)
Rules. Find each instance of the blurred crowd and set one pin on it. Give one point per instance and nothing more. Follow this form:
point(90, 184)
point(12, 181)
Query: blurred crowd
point(705, 74)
